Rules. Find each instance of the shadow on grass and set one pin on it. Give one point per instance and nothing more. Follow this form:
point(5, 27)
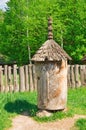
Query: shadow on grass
point(20, 106)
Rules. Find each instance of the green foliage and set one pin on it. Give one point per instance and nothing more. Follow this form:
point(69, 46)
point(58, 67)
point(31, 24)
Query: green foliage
point(1, 22)
point(1, 16)
point(81, 124)
point(69, 23)
point(14, 32)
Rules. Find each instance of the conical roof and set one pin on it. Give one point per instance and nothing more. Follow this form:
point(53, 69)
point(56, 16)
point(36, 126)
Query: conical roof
point(50, 50)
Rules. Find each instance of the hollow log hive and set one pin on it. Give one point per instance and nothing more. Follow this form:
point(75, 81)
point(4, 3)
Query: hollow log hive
point(51, 68)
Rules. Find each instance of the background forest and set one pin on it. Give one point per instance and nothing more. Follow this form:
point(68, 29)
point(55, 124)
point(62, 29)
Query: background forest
point(24, 23)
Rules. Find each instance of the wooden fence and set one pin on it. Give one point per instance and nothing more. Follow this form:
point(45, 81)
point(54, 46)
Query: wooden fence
point(76, 76)
point(15, 79)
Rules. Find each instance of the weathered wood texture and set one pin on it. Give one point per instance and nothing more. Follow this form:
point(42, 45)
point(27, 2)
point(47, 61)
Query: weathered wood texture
point(76, 76)
point(17, 79)
point(52, 85)
point(10, 77)
point(50, 51)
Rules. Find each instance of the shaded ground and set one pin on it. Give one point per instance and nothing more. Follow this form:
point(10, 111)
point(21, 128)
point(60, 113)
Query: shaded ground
point(23, 122)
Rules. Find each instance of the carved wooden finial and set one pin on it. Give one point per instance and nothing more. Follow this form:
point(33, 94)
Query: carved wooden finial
point(50, 33)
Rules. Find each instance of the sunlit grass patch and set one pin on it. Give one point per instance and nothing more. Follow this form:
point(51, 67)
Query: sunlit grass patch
point(81, 124)
point(12, 104)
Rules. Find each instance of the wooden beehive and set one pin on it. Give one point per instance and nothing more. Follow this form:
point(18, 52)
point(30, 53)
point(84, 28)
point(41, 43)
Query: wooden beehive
point(51, 68)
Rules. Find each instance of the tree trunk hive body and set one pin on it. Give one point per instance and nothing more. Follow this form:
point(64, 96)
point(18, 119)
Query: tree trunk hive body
point(51, 68)
point(52, 85)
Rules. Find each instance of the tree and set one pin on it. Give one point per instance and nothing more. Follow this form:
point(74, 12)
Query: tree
point(14, 41)
point(75, 36)
point(1, 22)
point(1, 16)
point(69, 24)
point(69, 27)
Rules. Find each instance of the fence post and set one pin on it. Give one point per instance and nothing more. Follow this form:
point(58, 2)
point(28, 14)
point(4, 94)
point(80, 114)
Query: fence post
point(9, 79)
point(31, 77)
point(26, 78)
point(85, 75)
point(68, 77)
point(82, 74)
point(72, 77)
point(15, 85)
point(77, 76)
point(34, 78)
point(6, 83)
point(21, 79)
point(1, 80)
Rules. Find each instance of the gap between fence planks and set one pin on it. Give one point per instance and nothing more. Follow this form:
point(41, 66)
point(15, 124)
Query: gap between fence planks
point(23, 78)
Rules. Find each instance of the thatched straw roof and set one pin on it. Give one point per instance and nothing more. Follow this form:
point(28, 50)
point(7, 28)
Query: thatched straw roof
point(50, 50)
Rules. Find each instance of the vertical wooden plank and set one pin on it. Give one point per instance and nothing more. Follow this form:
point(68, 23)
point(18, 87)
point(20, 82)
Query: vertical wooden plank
point(82, 75)
point(68, 77)
point(26, 78)
point(1, 80)
point(5, 76)
point(21, 79)
point(85, 75)
point(18, 82)
point(15, 84)
point(34, 78)
point(9, 79)
point(72, 77)
point(84, 72)
point(31, 79)
point(77, 76)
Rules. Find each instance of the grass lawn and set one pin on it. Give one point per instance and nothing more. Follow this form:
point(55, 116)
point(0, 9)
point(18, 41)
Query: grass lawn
point(81, 124)
point(16, 103)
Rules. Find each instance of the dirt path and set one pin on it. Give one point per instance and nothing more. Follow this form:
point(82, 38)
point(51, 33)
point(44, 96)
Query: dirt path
point(22, 122)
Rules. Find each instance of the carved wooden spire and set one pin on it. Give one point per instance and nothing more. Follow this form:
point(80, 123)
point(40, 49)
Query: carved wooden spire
point(50, 50)
point(50, 33)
